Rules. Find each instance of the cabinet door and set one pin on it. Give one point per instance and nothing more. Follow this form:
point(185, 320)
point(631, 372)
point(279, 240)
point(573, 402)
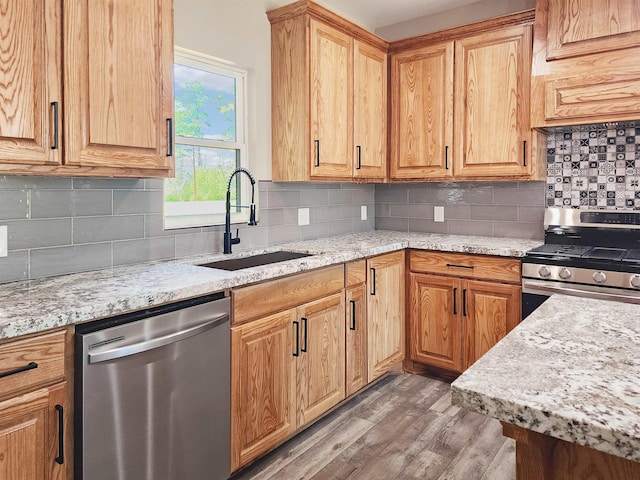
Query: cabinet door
point(321, 360)
point(491, 310)
point(356, 332)
point(581, 28)
point(331, 102)
point(118, 86)
point(385, 311)
point(263, 369)
point(422, 113)
point(30, 83)
point(492, 137)
point(369, 111)
point(435, 323)
point(29, 431)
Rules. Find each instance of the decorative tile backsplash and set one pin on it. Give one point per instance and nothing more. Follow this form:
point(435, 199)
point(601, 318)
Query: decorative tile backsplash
point(594, 167)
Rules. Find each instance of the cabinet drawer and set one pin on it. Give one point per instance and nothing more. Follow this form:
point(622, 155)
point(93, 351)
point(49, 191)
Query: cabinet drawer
point(276, 295)
point(31, 362)
point(356, 273)
point(501, 269)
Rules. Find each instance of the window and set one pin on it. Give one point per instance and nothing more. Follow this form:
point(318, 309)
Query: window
point(210, 141)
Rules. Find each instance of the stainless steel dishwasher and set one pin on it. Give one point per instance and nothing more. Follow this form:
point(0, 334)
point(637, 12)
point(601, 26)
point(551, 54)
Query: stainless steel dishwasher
point(153, 394)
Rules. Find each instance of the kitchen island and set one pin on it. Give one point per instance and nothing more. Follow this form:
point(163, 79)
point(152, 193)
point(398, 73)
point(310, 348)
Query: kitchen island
point(566, 386)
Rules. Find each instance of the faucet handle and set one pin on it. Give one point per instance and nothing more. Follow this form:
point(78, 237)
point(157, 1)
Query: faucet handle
point(236, 240)
point(252, 215)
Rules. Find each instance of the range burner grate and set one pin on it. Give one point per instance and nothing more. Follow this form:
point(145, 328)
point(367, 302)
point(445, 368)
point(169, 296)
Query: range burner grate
point(632, 256)
point(552, 250)
point(605, 253)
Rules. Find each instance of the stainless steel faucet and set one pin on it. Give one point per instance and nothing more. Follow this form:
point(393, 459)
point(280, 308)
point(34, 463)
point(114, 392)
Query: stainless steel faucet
point(228, 239)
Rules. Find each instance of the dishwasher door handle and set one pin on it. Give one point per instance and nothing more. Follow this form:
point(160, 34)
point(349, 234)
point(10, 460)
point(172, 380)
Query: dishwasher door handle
point(127, 350)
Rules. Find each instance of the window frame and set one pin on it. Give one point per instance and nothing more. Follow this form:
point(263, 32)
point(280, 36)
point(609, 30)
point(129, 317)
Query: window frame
point(201, 61)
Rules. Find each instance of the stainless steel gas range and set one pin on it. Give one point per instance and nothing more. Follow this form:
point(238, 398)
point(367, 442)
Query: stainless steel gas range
point(587, 253)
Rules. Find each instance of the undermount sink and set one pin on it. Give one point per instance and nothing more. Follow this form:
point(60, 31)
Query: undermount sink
point(255, 260)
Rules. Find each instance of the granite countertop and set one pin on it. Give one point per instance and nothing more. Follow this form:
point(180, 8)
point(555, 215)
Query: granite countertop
point(38, 305)
point(571, 370)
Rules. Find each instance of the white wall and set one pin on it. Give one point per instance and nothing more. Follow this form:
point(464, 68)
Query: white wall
point(237, 31)
point(475, 12)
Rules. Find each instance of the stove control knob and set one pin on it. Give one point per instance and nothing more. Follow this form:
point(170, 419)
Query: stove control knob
point(565, 273)
point(635, 281)
point(599, 277)
point(545, 271)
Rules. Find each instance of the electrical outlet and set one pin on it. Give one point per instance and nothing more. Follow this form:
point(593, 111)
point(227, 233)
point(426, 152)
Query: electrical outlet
point(363, 212)
point(4, 250)
point(303, 216)
point(438, 214)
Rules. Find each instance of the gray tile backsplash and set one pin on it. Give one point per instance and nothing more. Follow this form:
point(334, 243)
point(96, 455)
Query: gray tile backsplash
point(67, 225)
point(62, 225)
point(500, 209)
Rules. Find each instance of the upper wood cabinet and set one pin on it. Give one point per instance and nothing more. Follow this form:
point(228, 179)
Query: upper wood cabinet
point(31, 84)
point(492, 78)
point(113, 115)
point(584, 63)
point(422, 113)
point(580, 28)
point(369, 111)
point(460, 107)
point(331, 101)
point(329, 98)
point(119, 86)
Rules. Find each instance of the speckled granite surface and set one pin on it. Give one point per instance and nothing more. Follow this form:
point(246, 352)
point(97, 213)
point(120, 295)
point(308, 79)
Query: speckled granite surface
point(571, 370)
point(37, 305)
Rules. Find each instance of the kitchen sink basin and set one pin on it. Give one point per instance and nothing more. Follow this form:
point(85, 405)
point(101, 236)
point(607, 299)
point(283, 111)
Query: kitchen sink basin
point(255, 260)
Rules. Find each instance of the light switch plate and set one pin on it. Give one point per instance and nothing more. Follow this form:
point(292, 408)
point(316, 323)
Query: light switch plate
point(438, 214)
point(363, 212)
point(4, 250)
point(303, 216)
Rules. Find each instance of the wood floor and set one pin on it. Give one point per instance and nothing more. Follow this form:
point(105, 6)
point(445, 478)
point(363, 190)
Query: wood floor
point(402, 428)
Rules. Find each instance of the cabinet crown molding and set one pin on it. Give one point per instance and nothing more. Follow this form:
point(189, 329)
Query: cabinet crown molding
point(318, 12)
point(455, 33)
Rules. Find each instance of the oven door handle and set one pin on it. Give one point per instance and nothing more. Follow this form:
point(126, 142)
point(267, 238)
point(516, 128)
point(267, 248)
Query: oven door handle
point(549, 288)
point(153, 343)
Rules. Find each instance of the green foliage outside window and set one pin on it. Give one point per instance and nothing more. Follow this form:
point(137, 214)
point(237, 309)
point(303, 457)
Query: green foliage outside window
point(202, 172)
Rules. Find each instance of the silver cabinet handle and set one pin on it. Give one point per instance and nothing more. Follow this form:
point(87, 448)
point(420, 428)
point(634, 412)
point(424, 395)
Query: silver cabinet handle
point(127, 350)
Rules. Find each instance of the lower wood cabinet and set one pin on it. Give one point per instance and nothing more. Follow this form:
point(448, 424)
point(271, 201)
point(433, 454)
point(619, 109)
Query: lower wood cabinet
point(492, 310)
point(455, 320)
point(30, 429)
point(436, 327)
point(356, 367)
point(321, 357)
point(301, 344)
point(263, 386)
point(287, 369)
point(385, 312)
point(356, 339)
point(35, 418)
